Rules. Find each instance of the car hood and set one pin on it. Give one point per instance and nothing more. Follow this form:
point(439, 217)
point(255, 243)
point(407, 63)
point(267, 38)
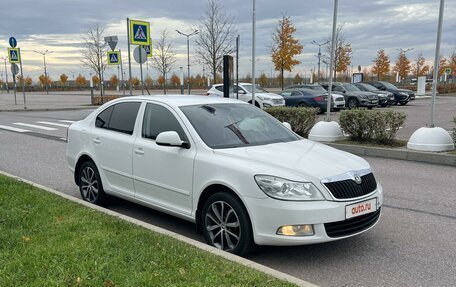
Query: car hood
point(269, 95)
point(405, 91)
point(297, 160)
point(360, 93)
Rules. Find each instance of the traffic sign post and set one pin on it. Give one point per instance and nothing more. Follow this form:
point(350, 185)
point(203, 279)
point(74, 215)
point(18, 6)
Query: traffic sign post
point(12, 42)
point(23, 81)
point(148, 49)
point(139, 32)
point(14, 55)
point(14, 71)
point(114, 58)
point(140, 56)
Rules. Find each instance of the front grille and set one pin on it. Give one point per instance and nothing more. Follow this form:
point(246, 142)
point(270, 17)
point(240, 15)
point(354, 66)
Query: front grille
point(339, 99)
point(352, 225)
point(277, 101)
point(348, 188)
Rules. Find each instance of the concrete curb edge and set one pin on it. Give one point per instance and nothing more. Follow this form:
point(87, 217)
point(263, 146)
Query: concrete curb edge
point(197, 244)
point(402, 154)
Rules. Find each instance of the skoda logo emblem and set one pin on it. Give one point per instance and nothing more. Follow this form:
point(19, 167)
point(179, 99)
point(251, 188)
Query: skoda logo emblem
point(357, 178)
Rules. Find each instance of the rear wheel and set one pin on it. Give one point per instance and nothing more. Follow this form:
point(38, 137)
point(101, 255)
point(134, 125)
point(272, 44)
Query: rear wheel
point(226, 224)
point(302, 105)
point(90, 184)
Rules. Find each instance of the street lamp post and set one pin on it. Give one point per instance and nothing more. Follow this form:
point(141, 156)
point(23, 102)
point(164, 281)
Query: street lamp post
point(45, 71)
point(188, 54)
point(319, 55)
point(6, 74)
point(403, 51)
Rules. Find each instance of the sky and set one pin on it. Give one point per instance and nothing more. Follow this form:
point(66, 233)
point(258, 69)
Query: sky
point(368, 25)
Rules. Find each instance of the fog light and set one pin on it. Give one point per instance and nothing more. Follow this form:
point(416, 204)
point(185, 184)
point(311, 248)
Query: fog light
point(296, 230)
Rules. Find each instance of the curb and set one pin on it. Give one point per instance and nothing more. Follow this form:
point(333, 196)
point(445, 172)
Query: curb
point(402, 154)
point(50, 109)
point(231, 257)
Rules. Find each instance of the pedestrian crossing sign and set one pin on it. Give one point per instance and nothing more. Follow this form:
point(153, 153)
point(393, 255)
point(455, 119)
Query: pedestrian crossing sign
point(14, 55)
point(148, 49)
point(139, 32)
point(114, 58)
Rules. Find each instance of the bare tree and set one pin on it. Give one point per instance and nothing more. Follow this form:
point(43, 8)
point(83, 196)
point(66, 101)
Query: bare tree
point(94, 53)
point(342, 52)
point(215, 38)
point(164, 57)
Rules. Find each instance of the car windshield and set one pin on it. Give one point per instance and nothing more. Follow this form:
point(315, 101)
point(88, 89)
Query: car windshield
point(367, 87)
point(350, 88)
point(389, 86)
point(315, 87)
point(257, 89)
point(236, 125)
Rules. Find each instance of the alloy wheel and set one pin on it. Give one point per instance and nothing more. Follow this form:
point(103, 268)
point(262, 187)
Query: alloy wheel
point(223, 226)
point(89, 184)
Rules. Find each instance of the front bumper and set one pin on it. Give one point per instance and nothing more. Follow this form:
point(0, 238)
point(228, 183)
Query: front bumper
point(268, 214)
point(273, 103)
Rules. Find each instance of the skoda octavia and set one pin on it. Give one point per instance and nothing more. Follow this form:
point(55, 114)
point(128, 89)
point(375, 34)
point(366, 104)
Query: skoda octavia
point(243, 177)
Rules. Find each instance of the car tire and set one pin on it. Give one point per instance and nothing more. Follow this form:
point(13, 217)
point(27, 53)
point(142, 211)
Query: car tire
point(226, 224)
point(352, 103)
point(302, 105)
point(90, 185)
point(403, 103)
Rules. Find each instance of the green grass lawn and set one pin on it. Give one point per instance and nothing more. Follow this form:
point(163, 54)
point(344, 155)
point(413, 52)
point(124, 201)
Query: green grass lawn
point(48, 241)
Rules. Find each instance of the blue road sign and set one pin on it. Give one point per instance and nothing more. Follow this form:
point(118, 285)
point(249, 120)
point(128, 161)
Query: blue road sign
point(12, 42)
point(139, 32)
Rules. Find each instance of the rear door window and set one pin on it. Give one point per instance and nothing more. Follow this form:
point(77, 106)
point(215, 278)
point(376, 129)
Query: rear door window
point(119, 117)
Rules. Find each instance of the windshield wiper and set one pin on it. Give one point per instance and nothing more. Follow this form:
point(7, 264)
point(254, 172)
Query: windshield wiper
point(232, 127)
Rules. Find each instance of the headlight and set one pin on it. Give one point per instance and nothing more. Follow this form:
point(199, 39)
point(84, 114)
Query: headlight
point(404, 94)
point(363, 97)
point(284, 189)
point(382, 95)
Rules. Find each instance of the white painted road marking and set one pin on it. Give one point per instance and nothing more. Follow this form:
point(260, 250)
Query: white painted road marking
point(36, 126)
point(54, 124)
point(13, 129)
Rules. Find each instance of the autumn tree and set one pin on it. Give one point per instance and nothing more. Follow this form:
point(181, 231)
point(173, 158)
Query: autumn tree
point(342, 53)
point(164, 57)
point(81, 80)
point(28, 82)
point(285, 47)
point(263, 80)
point(298, 79)
point(135, 81)
point(175, 80)
point(381, 65)
point(114, 80)
point(94, 52)
point(63, 79)
point(402, 66)
point(452, 63)
point(161, 80)
point(45, 80)
point(216, 37)
point(149, 82)
point(248, 78)
point(95, 80)
point(420, 68)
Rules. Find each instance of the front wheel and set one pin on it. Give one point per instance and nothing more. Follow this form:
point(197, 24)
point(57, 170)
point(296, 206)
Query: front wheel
point(226, 224)
point(90, 184)
point(403, 103)
point(352, 103)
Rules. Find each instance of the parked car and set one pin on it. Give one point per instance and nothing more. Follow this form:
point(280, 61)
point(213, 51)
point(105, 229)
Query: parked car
point(338, 100)
point(263, 98)
point(385, 98)
point(354, 97)
point(310, 98)
point(401, 96)
point(242, 176)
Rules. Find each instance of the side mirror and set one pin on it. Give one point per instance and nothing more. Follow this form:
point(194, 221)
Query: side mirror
point(241, 92)
point(170, 138)
point(287, 125)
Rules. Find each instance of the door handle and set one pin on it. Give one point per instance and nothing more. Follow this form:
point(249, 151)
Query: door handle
point(96, 141)
point(139, 151)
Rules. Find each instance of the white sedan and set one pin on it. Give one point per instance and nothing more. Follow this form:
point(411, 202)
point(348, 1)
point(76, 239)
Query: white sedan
point(243, 177)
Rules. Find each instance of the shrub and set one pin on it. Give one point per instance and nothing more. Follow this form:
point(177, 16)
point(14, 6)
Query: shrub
point(98, 101)
point(446, 88)
point(454, 130)
point(300, 119)
point(373, 126)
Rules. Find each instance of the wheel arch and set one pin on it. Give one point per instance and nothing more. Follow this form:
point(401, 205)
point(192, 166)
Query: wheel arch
point(213, 189)
point(83, 158)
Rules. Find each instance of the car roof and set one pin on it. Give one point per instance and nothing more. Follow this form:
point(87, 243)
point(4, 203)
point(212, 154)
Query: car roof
point(181, 100)
point(216, 85)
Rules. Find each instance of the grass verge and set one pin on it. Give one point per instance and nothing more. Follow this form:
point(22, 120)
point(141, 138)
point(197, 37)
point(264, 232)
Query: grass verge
point(393, 144)
point(46, 240)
